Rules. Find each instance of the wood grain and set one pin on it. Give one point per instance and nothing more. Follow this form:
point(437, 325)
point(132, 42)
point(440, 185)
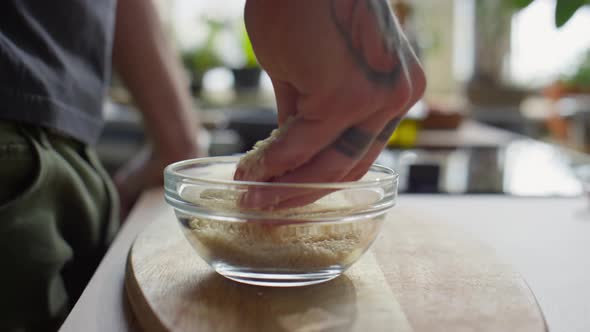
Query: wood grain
point(419, 276)
point(443, 277)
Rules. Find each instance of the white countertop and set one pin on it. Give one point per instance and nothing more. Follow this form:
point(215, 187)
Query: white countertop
point(546, 239)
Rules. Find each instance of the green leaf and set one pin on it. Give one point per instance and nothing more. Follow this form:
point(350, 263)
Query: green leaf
point(520, 4)
point(581, 76)
point(251, 60)
point(565, 9)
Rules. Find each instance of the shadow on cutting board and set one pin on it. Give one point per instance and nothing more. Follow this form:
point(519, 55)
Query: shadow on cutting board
point(330, 306)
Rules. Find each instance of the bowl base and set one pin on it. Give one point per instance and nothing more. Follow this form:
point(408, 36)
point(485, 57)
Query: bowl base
point(274, 278)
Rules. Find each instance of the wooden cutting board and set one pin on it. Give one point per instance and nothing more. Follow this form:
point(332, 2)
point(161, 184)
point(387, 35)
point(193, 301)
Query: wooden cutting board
point(420, 275)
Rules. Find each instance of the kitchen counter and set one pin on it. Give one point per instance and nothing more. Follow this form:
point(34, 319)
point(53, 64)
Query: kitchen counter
point(545, 239)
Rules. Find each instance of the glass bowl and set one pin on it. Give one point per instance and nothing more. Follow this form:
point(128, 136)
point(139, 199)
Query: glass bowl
point(318, 231)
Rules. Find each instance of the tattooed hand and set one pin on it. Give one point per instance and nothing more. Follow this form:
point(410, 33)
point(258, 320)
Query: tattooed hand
point(345, 71)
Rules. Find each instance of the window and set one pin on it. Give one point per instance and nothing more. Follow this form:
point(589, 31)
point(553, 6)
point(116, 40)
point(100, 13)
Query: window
point(540, 52)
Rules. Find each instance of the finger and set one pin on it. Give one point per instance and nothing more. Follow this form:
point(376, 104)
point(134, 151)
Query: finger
point(286, 97)
point(343, 12)
point(295, 198)
point(270, 198)
point(378, 30)
point(331, 165)
point(418, 84)
point(308, 197)
point(335, 161)
point(310, 133)
point(351, 144)
point(328, 166)
point(413, 71)
point(250, 168)
point(361, 168)
point(304, 137)
point(290, 149)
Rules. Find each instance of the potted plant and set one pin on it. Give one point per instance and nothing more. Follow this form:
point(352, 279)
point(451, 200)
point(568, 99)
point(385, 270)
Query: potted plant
point(246, 77)
point(198, 60)
point(564, 9)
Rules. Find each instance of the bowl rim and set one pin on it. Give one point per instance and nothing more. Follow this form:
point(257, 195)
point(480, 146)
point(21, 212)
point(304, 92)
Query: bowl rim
point(390, 176)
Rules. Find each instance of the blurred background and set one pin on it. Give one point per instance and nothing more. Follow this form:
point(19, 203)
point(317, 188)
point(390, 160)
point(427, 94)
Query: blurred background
point(506, 111)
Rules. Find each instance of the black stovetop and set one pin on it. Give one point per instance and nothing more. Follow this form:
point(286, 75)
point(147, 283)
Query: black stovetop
point(521, 168)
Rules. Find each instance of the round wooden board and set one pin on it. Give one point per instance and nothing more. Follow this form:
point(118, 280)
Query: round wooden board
point(420, 275)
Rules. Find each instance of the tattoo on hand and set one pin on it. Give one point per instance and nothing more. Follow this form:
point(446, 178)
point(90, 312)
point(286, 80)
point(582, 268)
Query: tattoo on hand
point(388, 130)
point(373, 37)
point(353, 142)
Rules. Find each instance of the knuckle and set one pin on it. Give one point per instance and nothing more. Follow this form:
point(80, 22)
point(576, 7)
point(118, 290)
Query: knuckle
point(408, 90)
point(401, 95)
point(418, 84)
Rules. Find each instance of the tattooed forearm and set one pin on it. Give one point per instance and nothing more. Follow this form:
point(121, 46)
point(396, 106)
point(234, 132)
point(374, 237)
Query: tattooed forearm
point(373, 37)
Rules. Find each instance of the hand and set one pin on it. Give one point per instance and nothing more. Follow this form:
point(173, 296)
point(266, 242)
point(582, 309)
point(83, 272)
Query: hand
point(346, 73)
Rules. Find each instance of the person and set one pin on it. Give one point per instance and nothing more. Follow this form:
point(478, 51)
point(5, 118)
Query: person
point(342, 69)
point(58, 207)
